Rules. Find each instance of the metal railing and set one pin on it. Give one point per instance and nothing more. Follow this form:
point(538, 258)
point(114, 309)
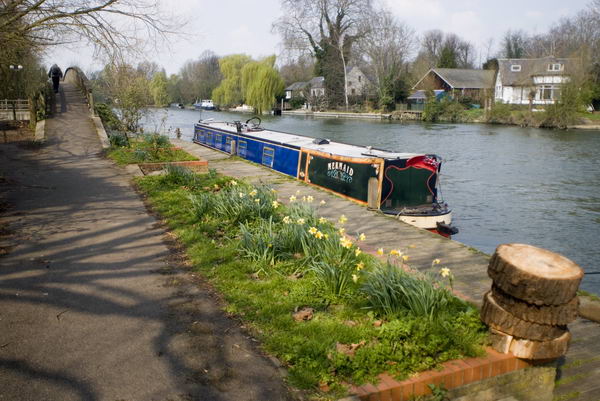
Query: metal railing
point(15, 109)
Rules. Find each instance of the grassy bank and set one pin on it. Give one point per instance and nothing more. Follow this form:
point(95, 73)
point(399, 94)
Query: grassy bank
point(146, 148)
point(331, 313)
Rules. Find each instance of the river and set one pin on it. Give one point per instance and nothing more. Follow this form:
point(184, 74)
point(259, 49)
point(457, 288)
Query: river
point(503, 183)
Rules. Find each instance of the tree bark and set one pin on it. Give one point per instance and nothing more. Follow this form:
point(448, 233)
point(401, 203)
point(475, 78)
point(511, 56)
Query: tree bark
point(534, 275)
point(499, 319)
point(528, 349)
point(544, 314)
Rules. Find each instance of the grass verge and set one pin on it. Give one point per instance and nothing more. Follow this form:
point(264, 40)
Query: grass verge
point(306, 291)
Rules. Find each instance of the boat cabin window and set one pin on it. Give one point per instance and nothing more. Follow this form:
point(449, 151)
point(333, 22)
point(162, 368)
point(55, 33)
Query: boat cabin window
point(268, 156)
point(242, 146)
point(218, 139)
point(228, 140)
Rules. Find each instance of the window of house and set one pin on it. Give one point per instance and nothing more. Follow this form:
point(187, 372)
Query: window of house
point(515, 67)
point(288, 94)
point(555, 67)
point(549, 92)
point(359, 78)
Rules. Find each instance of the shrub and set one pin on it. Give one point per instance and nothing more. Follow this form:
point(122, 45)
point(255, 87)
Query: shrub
point(297, 101)
point(108, 116)
point(500, 114)
point(118, 140)
point(392, 292)
point(179, 175)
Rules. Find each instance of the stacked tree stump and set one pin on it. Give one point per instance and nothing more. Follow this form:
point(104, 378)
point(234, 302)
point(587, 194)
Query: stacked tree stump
point(533, 298)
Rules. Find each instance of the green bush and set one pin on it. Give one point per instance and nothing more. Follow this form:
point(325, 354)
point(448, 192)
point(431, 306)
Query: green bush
point(500, 114)
point(297, 102)
point(392, 292)
point(108, 116)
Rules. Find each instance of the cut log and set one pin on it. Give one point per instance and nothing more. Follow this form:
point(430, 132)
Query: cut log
point(534, 275)
point(499, 319)
point(529, 349)
point(556, 315)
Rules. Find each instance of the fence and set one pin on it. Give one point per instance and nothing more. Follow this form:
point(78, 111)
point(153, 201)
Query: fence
point(15, 109)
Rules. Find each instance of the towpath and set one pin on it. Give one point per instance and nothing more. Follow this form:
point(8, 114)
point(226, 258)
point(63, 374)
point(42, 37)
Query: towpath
point(93, 305)
point(579, 373)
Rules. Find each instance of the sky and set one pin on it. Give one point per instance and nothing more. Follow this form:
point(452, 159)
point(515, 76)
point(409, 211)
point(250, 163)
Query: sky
point(244, 26)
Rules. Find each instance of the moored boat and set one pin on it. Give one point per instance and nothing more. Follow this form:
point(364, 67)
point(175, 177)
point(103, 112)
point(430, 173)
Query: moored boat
point(401, 184)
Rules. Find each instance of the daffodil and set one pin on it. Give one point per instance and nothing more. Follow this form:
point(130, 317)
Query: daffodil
point(253, 193)
point(216, 186)
point(257, 200)
point(273, 190)
point(342, 231)
point(275, 204)
point(355, 278)
point(405, 257)
point(300, 221)
point(357, 252)
point(345, 242)
point(326, 235)
point(362, 237)
point(322, 220)
point(242, 194)
point(395, 252)
point(360, 266)
point(309, 199)
point(312, 230)
point(322, 203)
point(436, 261)
point(319, 235)
point(342, 219)
point(287, 220)
point(380, 251)
point(292, 198)
point(444, 272)
point(233, 183)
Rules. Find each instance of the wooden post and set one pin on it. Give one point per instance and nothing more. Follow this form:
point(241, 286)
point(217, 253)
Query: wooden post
point(533, 298)
point(373, 194)
point(233, 149)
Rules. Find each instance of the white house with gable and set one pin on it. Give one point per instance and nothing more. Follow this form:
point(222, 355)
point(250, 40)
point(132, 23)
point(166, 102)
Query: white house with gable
point(539, 80)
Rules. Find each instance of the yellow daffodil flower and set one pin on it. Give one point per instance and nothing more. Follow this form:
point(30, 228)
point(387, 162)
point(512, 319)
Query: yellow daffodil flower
point(355, 278)
point(380, 251)
point(287, 220)
point(357, 252)
point(362, 237)
point(319, 235)
point(292, 198)
point(312, 230)
point(309, 199)
point(444, 272)
point(360, 266)
point(275, 204)
point(300, 221)
point(342, 219)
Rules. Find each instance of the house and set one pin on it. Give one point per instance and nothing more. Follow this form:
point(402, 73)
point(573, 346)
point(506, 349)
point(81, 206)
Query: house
point(520, 81)
point(357, 81)
point(297, 89)
point(476, 84)
point(317, 86)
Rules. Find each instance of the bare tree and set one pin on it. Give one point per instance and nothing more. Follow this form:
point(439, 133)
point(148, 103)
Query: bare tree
point(200, 77)
point(327, 29)
point(386, 47)
point(111, 25)
point(515, 44)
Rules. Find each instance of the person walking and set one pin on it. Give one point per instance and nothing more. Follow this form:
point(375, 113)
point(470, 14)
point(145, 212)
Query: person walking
point(56, 74)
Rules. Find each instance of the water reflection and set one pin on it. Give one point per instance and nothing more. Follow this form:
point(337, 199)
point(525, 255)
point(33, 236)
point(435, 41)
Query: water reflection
point(505, 184)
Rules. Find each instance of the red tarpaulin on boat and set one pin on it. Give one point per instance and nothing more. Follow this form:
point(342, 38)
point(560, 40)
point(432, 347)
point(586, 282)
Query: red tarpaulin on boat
point(427, 162)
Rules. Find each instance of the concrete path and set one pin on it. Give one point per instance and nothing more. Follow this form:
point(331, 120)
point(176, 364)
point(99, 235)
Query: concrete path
point(579, 372)
point(93, 304)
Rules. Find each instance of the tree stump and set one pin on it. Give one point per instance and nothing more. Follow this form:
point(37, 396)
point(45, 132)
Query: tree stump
point(500, 319)
point(534, 275)
point(557, 315)
point(530, 349)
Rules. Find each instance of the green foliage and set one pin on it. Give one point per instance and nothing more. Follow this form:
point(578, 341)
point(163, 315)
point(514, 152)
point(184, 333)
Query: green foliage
point(392, 292)
point(448, 58)
point(297, 102)
point(564, 112)
point(108, 116)
point(261, 83)
point(158, 88)
point(229, 92)
point(149, 148)
point(445, 109)
point(215, 240)
point(500, 114)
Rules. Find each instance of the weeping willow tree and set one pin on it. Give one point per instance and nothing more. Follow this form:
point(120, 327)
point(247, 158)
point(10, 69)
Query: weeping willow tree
point(229, 92)
point(261, 83)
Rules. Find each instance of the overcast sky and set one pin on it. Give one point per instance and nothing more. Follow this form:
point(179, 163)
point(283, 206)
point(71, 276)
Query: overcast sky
point(244, 26)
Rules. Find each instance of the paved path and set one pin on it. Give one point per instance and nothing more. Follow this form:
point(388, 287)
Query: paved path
point(92, 304)
point(579, 373)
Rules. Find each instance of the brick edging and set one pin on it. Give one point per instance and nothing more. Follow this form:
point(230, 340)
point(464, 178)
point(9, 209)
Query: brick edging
point(453, 374)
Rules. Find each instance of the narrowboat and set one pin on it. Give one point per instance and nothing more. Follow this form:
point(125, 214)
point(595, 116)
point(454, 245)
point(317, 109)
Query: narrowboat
point(402, 184)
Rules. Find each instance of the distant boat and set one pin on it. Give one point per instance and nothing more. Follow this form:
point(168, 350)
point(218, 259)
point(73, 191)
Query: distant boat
point(206, 104)
point(178, 105)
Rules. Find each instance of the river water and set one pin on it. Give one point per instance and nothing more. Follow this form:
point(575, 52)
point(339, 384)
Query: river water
point(503, 183)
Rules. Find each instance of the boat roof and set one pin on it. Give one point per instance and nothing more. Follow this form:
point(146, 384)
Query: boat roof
point(300, 141)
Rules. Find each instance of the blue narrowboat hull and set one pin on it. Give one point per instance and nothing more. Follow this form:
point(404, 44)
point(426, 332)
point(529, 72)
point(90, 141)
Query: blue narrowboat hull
point(278, 156)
